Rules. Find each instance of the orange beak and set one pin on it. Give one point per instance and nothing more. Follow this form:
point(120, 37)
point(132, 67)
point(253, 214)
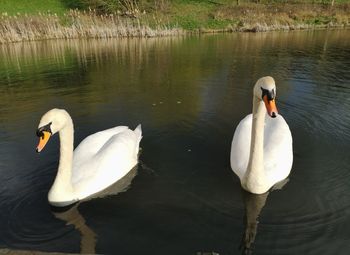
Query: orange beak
point(44, 138)
point(270, 107)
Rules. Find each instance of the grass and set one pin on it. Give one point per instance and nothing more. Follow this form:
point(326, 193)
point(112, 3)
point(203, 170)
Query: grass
point(45, 19)
point(227, 15)
point(192, 15)
point(12, 7)
point(75, 24)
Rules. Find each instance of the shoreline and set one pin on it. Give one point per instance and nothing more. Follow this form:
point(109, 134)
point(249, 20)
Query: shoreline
point(258, 28)
point(144, 31)
point(77, 24)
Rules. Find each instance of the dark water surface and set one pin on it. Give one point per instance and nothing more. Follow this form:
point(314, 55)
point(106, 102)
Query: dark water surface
point(189, 94)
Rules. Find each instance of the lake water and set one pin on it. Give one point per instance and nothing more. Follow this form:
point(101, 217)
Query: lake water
point(189, 94)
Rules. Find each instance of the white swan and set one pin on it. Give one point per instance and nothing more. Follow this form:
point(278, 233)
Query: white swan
point(261, 151)
point(100, 159)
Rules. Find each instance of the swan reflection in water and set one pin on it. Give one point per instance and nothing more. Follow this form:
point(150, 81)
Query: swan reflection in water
point(72, 216)
point(253, 204)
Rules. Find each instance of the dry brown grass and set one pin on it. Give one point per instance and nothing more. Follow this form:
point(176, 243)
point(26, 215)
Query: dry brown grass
point(76, 24)
point(256, 18)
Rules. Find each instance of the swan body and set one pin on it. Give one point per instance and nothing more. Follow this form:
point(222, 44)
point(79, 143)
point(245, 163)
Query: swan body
point(261, 150)
point(99, 160)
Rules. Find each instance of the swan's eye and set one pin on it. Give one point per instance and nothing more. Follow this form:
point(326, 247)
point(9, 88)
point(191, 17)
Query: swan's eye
point(40, 134)
point(269, 93)
point(40, 130)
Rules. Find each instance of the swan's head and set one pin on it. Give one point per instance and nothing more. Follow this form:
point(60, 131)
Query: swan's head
point(50, 123)
point(265, 90)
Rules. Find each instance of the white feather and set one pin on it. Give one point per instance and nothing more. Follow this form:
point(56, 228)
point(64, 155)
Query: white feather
point(278, 151)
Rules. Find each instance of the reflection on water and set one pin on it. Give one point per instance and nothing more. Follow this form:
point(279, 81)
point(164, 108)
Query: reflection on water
point(253, 205)
point(88, 236)
point(73, 217)
point(189, 93)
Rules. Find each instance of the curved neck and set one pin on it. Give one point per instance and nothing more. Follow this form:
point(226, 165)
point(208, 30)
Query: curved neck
point(62, 188)
point(254, 178)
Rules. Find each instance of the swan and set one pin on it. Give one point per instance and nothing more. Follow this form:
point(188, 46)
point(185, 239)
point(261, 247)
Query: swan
point(261, 150)
point(99, 160)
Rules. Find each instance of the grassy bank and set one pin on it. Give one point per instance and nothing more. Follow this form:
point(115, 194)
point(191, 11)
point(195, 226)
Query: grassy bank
point(38, 19)
point(251, 16)
point(76, 24)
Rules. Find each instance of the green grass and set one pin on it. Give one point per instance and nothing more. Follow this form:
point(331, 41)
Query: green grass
point(222, 14)
point(192, 15)
point(321, 20)
point(12, 7)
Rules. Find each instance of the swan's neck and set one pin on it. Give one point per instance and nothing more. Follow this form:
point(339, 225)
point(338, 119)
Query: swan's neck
point(62, 189)
point(254, 179)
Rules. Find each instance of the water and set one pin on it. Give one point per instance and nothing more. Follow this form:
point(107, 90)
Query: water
point(189, 93)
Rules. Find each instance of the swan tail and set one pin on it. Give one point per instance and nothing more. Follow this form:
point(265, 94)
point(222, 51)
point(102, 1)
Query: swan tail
point(138, 133)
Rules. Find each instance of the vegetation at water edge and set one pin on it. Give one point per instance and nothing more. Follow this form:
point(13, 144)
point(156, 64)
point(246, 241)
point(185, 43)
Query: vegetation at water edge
point(37, 19)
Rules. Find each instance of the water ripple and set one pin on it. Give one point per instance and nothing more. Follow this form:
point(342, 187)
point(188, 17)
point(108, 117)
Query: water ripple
point(30, 221)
